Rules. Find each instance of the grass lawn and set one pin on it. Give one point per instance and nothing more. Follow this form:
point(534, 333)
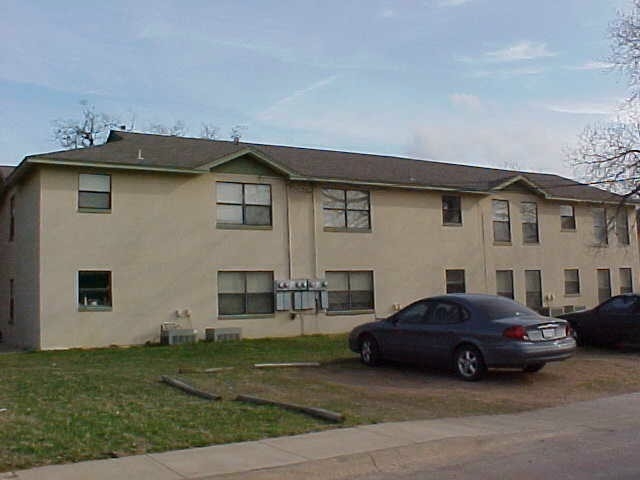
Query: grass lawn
point(74, 405)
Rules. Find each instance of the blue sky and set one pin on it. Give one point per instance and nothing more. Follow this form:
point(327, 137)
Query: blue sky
point(505, 83)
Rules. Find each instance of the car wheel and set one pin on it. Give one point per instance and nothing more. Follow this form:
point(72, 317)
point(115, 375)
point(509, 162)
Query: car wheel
point(468, 363)
point(534, 367)
point(369, 351)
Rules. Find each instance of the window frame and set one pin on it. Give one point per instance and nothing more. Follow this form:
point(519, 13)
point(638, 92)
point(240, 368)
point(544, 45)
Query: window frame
point(84, 307)
point(245, 295)
point(601, 290)
point(529, 293)
point(572, 219)
point(452, 285)
point(535, 224)
point(457, 210)
point(243, 205)
point(346, 210)
point(498, 292)
point(349, 302)
point(12, 301)
point(622, 271)
point(622, 232)
point(494, 222)
point(572, 286)
point(84, 209)
point(600, 232)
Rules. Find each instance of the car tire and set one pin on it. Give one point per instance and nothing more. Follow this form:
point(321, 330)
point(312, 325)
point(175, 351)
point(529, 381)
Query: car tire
point(468, 363)
point(534, 367)
point(369, 351)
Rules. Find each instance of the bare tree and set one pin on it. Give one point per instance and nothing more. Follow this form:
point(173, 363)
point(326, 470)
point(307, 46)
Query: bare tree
point(91, 129)
point(178, 129)
point(608, 153)
point(236, 132)
point(209, 131)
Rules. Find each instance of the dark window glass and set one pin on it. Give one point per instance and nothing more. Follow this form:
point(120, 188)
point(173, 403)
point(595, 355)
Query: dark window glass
point(571, 282)
point(245, 293)
point(567, 217)
point(504, 283)
point(346, 209)
point(243, 203)
point(451, 213)
point(444, 313)
point(499, 307)
point(94, 289)
point(12, 218)
point(533, 289)
point(529, 214)
point(350, 290)
point(501, 221)
point(623, 304)
point(455, 281)
point(94, 191)
point(12, 301)
point(414, 313)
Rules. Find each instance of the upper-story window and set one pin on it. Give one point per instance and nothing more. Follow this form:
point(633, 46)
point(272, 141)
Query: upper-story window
point(451, 212)
point(622, 227)
point(243, 203)
point(94, 192)
point(346, 210)
point(501, 221)
point(567, 217)
point(529, 215)
point(12, 218)
point(600, 225)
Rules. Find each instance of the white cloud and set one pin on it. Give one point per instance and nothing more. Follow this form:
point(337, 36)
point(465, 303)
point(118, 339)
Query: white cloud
point(466, 101)
point(528, 145)
point(387, 13)
point(507, 73)
point(452, 3)
point(593, 65)
point(525, 50)
point(268, 112)
point(583, 108)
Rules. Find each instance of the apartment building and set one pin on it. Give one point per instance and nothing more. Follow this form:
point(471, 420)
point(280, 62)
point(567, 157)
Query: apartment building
point(103, 245)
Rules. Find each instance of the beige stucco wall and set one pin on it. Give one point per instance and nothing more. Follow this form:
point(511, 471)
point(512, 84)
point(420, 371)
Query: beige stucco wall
point(19, 261)
point(162, 246)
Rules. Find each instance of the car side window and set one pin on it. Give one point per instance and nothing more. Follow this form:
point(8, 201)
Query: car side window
point(414, 313)
point(445, 313)
point(622, 304)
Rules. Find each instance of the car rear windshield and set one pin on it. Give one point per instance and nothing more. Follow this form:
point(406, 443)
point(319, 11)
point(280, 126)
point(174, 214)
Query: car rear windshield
point(496, 308)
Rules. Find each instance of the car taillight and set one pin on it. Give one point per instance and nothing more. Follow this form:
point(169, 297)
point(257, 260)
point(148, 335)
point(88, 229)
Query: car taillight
point(568, 330)
point(517, 332)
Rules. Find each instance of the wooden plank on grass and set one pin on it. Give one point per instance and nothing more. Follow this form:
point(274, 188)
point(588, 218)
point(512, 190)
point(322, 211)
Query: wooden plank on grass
point(285, 365)
point(314, 412)
point(174, 382)
point(203, 370)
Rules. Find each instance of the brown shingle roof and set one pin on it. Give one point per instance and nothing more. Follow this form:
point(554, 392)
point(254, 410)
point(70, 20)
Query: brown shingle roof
point(123, 148)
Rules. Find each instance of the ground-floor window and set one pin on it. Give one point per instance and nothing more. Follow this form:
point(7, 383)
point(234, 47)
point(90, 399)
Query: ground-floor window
point(504, 283)
point(533, 289)
point(571, 281)
point(455, 281)
point(626, 280)
point(604, 284)
point(94, 289)
point(350, 290)
point(245, 293)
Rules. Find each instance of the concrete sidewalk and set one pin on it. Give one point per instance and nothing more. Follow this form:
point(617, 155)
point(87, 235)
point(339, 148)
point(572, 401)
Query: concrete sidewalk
point(197, 463)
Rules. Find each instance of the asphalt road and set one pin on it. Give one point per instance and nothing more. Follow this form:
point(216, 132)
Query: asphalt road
point(609, 453)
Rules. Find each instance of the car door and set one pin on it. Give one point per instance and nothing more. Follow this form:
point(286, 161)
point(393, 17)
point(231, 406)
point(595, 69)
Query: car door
point(440, 332)
point(615, 318)
point(400, 341)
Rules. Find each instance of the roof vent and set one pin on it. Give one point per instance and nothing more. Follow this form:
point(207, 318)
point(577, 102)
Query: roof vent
point(140, 157)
